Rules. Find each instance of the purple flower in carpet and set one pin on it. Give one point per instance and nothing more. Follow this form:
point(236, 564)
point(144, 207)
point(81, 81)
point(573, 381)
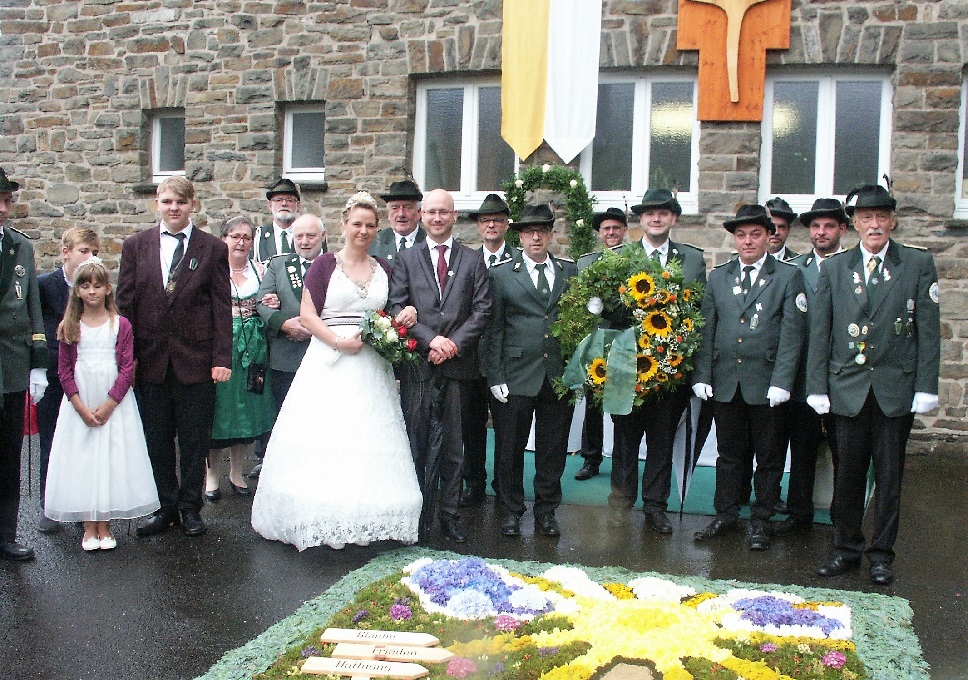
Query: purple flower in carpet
point(506, 622)
point(545, 651)
point(360, 615)
point(461, 667)
point(309, 651)
point(769, 610)
point(768, 647)
point(834, 659)
point(402, 600)
point(400, 612)
point(498, 668)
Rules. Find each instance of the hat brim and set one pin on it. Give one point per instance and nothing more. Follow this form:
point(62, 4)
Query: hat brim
point(601, 217)
point(759, 220)
point(837, 213)
point(475, 215)
point(788, 216)
point(890, 206)
point(518, 226)
point(401, 197)
point(9, 187)
point(270, 194)
point(667, 205)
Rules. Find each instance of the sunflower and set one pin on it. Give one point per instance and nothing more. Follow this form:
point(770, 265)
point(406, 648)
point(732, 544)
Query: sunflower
point(645, 341)
point(641, 286)
point(663, 296)
point(657, 323)
point(687, 324)
point(646, 367)
point(686, 294)
point(596, 371)
point(661, 377)
point(674, 359)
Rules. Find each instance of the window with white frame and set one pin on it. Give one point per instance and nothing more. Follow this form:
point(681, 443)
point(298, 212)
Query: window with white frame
point(167, 144)
point(303, 149)
point(961, 186)
point(646, 136)
point(457, 140)
point(824, 136)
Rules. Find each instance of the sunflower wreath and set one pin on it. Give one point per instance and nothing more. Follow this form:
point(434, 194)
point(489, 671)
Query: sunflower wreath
point(562, 180)
point(631, 328)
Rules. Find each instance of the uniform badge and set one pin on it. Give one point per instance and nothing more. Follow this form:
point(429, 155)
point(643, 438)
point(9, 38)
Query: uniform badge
point(517, 266)
point(860, 359)
point(858, 290)
point(886, 274)
point(864, 330)
point(910, 305)
point(737, 290)
point(853, 330)
point(802, 302)
point(754, 322)
point(934, 292)
point(193, 265)
point(762, 282)
point(18, 290)
point(19, 270)
point(759, 306)
point(856, 277)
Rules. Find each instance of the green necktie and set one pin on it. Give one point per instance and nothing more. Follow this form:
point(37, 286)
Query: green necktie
point(747, 283)
point(403, 244)
point(656, 256)
point(543, 286)
point(286, 245)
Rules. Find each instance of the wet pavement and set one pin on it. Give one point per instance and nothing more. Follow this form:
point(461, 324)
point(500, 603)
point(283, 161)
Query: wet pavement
point(170, 606)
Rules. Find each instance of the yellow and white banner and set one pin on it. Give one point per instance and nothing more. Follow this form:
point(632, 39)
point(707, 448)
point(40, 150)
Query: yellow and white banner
point(549, 82)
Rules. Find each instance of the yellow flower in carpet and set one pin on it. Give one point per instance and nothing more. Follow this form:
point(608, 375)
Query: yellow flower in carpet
point(674, 359)
point(657, 323)
point(646, 367)
point(620, 591)
point(641, 286)
point(687, 324)
point(596, 371)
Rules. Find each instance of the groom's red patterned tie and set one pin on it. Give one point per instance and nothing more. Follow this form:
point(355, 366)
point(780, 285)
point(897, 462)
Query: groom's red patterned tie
point(442, 268)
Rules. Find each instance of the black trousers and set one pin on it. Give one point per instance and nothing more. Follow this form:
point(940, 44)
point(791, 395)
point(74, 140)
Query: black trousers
point(870, 436)
point(592, 432)
point(512, 426)
point(657, 421)
point(47, 411)
point(11, 444)
point(279, 383)
point(738, 423)
point(168, 410)
point(477, 397)
point(431, 409)
point(803, 429)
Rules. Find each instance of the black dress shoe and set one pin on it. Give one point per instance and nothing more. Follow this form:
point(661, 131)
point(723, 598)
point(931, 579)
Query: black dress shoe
point(547, 525)
point(453, 531)
point(15, 552)
point(588, 470)
point(791, 525)
point(511, 525)
point(192, 524)
point(881, 574)
point(779, 508)
point(657, 521)
point(212, 495)
point(157, 523)
point(838, 565)
point(759, 538)
point(240, 490)
point(473, 494)
point(46, 525)
point(255, 471)
point(715, 528)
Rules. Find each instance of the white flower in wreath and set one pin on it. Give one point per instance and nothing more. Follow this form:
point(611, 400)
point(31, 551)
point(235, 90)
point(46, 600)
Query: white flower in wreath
point(579, 222)
point(573, 183)
point(519, 183)
point(545, 168)
point(596, 306)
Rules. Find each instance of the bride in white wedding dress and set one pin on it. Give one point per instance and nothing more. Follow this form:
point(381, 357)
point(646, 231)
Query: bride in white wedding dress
point(338, 467)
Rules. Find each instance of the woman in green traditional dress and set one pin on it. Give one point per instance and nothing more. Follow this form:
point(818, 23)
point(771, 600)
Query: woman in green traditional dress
point(244, 407)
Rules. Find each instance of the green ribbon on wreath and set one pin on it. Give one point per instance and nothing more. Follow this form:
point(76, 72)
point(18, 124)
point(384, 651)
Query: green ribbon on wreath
point(619, 393)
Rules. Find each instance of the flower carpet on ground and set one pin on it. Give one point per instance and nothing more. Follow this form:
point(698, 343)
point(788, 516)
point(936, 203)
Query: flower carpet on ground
point(515, 620)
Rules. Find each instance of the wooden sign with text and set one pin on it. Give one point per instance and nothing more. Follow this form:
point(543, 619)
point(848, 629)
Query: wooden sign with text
point(347, 650)
point(380, 637)
point(732, 37)
point(320, 665)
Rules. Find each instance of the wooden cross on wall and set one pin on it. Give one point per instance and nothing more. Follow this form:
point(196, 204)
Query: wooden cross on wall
point(732, 37)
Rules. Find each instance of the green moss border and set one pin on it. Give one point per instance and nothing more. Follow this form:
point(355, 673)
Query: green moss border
point(882, 624)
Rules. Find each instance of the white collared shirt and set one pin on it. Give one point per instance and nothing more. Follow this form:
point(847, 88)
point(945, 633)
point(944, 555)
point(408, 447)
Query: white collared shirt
point(277, 233)
point(867, 257)
point(70, 281)
point(663, 251)
point(757, 266)
point(434, 253)
point(533, 271)
point(410, 238)
point(781, 254)
point(168, 245)
point(818, 258)
point(498, 254)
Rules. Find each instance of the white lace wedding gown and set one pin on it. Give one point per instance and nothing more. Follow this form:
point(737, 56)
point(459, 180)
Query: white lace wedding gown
point(338, 468)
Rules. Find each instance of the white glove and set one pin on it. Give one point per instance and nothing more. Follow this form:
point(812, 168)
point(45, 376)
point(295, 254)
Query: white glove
point(819, 403)
point(777, 396)
point(702, 390)
point(924, 402)
point(500, 392)
point(38, 383)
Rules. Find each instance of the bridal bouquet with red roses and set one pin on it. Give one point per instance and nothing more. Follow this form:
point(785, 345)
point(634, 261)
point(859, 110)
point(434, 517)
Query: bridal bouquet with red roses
point(388, 337)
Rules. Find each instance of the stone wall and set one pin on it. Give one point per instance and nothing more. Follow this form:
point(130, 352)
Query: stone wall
point(77, 76)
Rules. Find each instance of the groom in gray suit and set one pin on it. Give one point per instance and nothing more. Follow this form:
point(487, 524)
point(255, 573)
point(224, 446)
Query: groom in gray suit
point(447, 284)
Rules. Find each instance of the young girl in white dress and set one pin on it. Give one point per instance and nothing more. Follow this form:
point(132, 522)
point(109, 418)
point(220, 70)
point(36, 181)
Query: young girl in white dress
point(99, 468)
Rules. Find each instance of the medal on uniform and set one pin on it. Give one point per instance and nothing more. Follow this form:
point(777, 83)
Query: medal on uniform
point(853, 330)
point(170, 288)
point(910, 305)
point(897, 326)
point(19, 270)
point(864, 330)
point(737, 290)
point(759, 306)
point(861, 358)
point(885, 274)
point(19, 290)
point(858, 290)
point(193, 265)
point(754, 322)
